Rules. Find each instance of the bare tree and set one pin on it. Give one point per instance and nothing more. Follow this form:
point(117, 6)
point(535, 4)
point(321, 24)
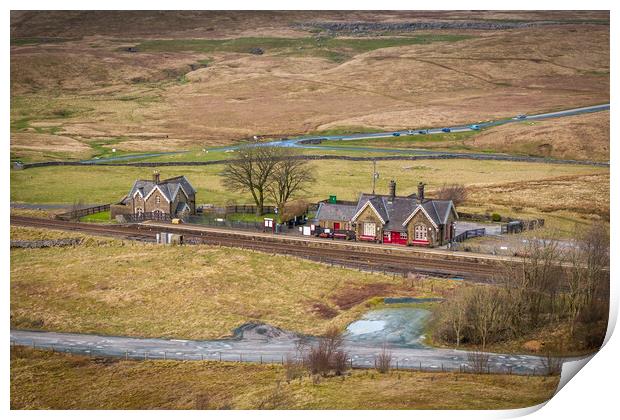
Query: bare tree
point(383, 362)
point(75, 207)
point(478, 361)
point(587, 282)
point(485, 312)
point(458, 317)
point(552, 365)
point(455, 192)
point(252, 172)
point(535, 282)
point(289, 177)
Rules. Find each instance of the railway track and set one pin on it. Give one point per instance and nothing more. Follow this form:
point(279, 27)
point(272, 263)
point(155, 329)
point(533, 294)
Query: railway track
point(340, 254)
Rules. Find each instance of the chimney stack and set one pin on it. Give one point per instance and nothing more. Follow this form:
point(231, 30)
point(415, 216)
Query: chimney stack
point(392, 190)
point(420, 192)
point(156, 177)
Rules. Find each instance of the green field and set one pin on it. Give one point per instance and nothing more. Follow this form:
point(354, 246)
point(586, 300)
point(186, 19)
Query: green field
point(346, 179)
point(448, 140)
point(103, 216)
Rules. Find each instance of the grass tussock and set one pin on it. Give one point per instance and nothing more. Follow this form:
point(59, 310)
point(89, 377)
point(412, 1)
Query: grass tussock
point(87, 383)
point(189, 291)
point(23, 233)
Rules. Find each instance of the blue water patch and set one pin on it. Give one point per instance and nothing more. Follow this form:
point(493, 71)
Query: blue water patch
point(395, 327)
point(410, 300)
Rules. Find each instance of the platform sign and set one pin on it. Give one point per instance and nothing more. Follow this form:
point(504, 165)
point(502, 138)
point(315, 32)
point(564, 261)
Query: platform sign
point(332, 199)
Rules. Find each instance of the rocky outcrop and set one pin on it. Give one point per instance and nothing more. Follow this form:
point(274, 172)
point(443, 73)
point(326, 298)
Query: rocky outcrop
point(361, 28)
point(46, 243)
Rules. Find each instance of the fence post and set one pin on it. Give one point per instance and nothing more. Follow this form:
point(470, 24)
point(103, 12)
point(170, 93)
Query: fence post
point(126, 354)
point(164, 355)
point(220, 356)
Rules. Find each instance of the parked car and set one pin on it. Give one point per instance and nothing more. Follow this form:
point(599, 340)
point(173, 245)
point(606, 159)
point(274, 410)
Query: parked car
point(474, 127)
point(520, 117)
point(396, 134)
point(446, 130)
point(423, 132)
point(409, 131)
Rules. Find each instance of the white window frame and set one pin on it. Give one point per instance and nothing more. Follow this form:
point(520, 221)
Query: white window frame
point(157, 199)
point(139, 211)
point(420, 233)
point(369, 227)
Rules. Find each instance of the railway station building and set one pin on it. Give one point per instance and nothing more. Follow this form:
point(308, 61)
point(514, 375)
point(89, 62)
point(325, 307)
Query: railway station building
point(391, 219)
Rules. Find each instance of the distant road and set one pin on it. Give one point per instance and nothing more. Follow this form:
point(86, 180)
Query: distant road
point(299, 142)
point(296, 142)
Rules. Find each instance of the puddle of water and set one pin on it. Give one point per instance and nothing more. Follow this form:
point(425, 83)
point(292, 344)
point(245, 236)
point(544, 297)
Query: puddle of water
point(402, 327)
point(365, 327)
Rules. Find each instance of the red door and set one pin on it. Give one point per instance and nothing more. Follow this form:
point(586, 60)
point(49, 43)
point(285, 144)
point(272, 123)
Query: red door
point(397, 238)
point(336, 225)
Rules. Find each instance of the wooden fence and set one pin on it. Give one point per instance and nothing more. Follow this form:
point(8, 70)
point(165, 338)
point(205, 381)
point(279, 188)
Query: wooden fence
point(78, 213)
point(472, 233)
point(240, 208)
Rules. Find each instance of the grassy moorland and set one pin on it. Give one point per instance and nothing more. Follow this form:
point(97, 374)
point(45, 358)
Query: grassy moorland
point(334, 49)
point(137, 290)
point(37, 375)
point(178, 92)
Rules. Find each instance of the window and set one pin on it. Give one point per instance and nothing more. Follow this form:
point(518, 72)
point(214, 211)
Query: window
point(157, 199)
point(403, 236)
point(139, 211)
point(370, 229)
point(420, 233)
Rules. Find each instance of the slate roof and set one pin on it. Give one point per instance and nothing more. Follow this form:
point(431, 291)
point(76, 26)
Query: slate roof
point(169, 187)
point(181, 206)
point(328, 211)
point(395, 212)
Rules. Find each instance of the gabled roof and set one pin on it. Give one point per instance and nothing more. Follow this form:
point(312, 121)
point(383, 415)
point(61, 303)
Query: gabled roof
point(181, 207)
point(169, 188)
point(375, 203)
point(328, 211)
point(437, 211)
point(394, 213)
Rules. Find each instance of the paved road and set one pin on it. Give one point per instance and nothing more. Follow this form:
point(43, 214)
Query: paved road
point(301, 142)
point(255, 347)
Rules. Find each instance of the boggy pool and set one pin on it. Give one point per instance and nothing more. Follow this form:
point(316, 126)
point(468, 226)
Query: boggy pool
point(391, 326)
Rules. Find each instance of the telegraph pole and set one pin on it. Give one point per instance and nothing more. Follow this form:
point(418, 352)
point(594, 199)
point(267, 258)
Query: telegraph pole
point(375, 175)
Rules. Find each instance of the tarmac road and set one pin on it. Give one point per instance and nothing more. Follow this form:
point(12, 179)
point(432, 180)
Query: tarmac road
point(251, 346)
point(301, 142)
point(298, 142)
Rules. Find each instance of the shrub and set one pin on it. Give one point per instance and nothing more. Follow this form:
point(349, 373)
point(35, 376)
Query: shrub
point(383, 362)
point(327, 356)
point(293, 368)
point(496, 217)
point(455, 192)
point(552, 365)
point(478, 361)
